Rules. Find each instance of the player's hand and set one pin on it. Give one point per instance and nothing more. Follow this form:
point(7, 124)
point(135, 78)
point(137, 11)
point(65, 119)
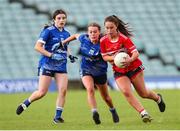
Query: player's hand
point(57, 46)
point(111, 62)
point(127, 61)
point(72, 58)
point(57, 57)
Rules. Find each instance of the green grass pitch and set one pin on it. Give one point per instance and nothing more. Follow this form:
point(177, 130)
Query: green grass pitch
point(77, 114)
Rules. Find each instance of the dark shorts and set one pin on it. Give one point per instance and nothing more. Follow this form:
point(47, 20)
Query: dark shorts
point(101, 79)
point(129, 74)
point(46, 72)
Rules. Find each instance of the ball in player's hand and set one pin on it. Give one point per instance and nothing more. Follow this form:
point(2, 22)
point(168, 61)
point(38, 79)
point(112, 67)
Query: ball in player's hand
point(119, 58)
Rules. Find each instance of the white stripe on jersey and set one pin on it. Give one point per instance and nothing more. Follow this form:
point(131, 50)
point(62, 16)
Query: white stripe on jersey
point(40, 40)
point(125, 37)
point(109, 53)
point(133, 50)
point(51, 28)
point(132, 47)
point(112, 52)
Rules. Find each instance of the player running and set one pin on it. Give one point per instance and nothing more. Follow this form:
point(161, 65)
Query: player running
point(117, 39)
point(93, 70)
point(52, 64)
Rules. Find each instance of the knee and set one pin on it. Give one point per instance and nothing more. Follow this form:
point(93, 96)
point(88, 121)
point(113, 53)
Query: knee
point(41, 94)
point(90, 92)
point(126, 94)
point(107, 99)
point(144, 93)
point(63, 91)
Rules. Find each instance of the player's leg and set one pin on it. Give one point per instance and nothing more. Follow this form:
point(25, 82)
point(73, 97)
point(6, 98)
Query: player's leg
point(101, 84)
point(88, 83)
point(139, 84)
point(106, 97)
point(62, 83)
point(124, 85)
point(44, 82)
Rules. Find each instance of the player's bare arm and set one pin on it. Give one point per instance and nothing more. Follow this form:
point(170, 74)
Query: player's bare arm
point(39, 48)
point(71, 38)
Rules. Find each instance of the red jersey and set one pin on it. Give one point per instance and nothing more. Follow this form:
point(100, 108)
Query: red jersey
point(122, 44)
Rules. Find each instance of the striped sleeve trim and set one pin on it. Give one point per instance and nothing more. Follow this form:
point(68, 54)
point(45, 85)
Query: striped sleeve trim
point(133, 50)
point(109, 53)
point(41, 41)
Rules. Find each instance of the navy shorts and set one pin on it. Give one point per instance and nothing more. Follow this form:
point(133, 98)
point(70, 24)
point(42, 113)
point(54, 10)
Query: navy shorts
point(129, 74)
point(101, 79)
point(46, 72)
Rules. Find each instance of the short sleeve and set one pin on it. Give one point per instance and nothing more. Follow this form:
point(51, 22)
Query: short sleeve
point(81, 38)
point(44, 35)
point(129, 45)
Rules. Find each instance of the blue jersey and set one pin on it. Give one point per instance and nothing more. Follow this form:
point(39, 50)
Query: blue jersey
point(92, 61)
point(49, 37)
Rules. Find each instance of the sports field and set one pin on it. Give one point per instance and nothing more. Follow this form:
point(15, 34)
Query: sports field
point(77, 114)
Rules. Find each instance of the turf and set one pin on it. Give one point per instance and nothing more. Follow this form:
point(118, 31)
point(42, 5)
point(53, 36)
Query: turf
point(77, 114)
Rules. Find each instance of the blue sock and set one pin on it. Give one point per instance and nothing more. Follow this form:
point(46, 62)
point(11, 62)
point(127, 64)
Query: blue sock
point(27, 102)
point(59, 111)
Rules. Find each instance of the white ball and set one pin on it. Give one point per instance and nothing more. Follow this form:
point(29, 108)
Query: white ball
point(119, 58)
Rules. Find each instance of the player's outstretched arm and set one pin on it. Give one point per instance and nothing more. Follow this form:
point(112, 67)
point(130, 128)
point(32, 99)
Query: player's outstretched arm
point(71, 38)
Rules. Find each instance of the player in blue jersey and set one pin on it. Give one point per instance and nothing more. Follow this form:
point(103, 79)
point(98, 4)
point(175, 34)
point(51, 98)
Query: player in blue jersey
point(52, 64)
point(93, 70)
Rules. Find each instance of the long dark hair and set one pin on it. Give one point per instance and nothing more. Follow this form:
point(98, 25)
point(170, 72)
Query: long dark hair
point(56, 12)
point(121, 26)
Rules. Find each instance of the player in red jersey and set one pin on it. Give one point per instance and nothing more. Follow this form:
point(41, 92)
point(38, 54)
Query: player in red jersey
point(117, 39)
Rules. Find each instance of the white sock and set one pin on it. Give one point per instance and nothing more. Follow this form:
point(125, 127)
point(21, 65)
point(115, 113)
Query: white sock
point(29, 100)
point(159, 100)
point(93, 110)
point(111, 109)
point(143, 112)
point(59, 108)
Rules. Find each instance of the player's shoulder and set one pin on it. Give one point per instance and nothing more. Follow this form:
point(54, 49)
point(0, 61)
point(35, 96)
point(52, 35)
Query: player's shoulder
point(84, 37)
point(122, 36)
point(103, 38)
point(50, 28)
point(66, 31)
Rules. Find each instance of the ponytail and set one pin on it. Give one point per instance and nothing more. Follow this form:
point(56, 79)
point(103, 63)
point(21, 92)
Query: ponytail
point(48, 25)
point(121, 26)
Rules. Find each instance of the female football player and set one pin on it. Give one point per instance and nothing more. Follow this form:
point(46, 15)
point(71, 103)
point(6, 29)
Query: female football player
point(117, 39)
point(52, 64)
point(93, 70)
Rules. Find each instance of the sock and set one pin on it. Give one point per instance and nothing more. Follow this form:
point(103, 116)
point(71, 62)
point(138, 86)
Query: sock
point(93, 110)
point(27, 102)
point(143, 112)
point(112, 110)
point(59, 111)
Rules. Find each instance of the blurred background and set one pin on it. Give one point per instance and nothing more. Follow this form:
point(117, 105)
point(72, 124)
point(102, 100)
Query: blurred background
point(155, 24)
